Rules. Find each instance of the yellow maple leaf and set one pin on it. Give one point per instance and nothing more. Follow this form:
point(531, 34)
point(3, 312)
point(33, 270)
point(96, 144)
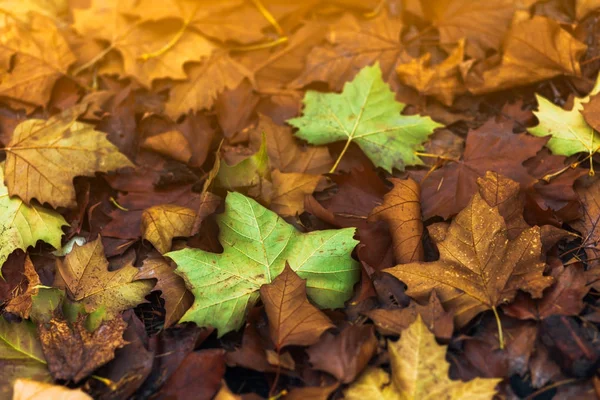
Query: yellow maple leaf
point(419, 371)
point(44, 156)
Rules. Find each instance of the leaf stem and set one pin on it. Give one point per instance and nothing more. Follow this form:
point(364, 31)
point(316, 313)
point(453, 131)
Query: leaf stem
point(499, 324)
point(168, 46)
point(260, 46)
point(418, 153)
point(93, 61)
point(268, 16)
point(550, 387)
point(337, 162)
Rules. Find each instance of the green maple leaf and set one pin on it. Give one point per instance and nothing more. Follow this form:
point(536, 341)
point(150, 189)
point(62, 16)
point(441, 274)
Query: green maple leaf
point(22, 226)
point(257, 243)
point(570, 133)
point(365, 113)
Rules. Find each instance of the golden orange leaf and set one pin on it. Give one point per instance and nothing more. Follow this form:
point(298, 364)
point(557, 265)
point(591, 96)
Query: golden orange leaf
point(479, 267)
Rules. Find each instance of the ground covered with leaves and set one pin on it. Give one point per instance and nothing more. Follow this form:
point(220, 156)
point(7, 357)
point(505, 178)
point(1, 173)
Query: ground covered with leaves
point(316, 199)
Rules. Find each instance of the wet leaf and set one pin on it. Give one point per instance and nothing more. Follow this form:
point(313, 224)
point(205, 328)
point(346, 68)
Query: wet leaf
point(479, 267)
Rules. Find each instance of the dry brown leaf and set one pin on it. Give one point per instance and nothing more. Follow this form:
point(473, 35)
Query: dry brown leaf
point(289, 190)
point(344, 356)
point(42, 56)
point(72, 352)
point(177, 298)
point(171, 144)
point(589, 224)
point(479, 267)
point(26, 389)
point(160, 224)
point(150, 50)
point(21, 303)
point(351, 45)
point(44, 156)
point(535, 49)
point(84, 274)
point(292, 319)
point(442, 81)
point(204, 83)
point(591, 112)
point(401, 209)
point(285, 153)
point(483, 24)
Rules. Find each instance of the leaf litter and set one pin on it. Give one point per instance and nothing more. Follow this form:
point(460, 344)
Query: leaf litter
point(299, 199)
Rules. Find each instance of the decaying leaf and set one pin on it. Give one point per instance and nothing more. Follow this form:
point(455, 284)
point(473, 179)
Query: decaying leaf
point(85, 276)
point(419, 371)
point(26, 389)
point(177, 298)
point(21, 355)
point(257, 243)
point(160, 224)
point(21, 303)
point(44, 156)
point(292, 319)
point(367, 114)
point(22, 225)
point(401, 208)
point(479, 267)
point(73, 352)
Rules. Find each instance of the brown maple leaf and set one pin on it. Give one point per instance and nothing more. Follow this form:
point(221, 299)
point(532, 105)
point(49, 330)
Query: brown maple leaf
point(401, 208)
point(73, 352)
point(492, 147)
point(479, 267)
point(292, 319)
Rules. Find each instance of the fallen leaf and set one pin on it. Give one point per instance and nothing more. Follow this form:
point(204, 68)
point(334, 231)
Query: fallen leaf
point(205, 82)
point(292, 319)
point(160, 224)
point(352, 44)
point(285, 154)
point(419, 371)
point(73, 352)
point(346, 355)
point(535, 49)
point(40, 54)
point(263, 242)
point(289, 190)
point(72, 148)
point(198, 376)
point(591, 111)
point(483, 25)
point(401, 209)
point(479, 267)
point(251, 172)
point(177, 298)
point(22, 225)
point(568, 130)
point(442, 81)
point(588, 224)
point(367, 114)
point(21, 303)
point(85, 276)
point(21, 355)
point(171, 144)
point(492, 147)
point(150, 50)
point(26, 389)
